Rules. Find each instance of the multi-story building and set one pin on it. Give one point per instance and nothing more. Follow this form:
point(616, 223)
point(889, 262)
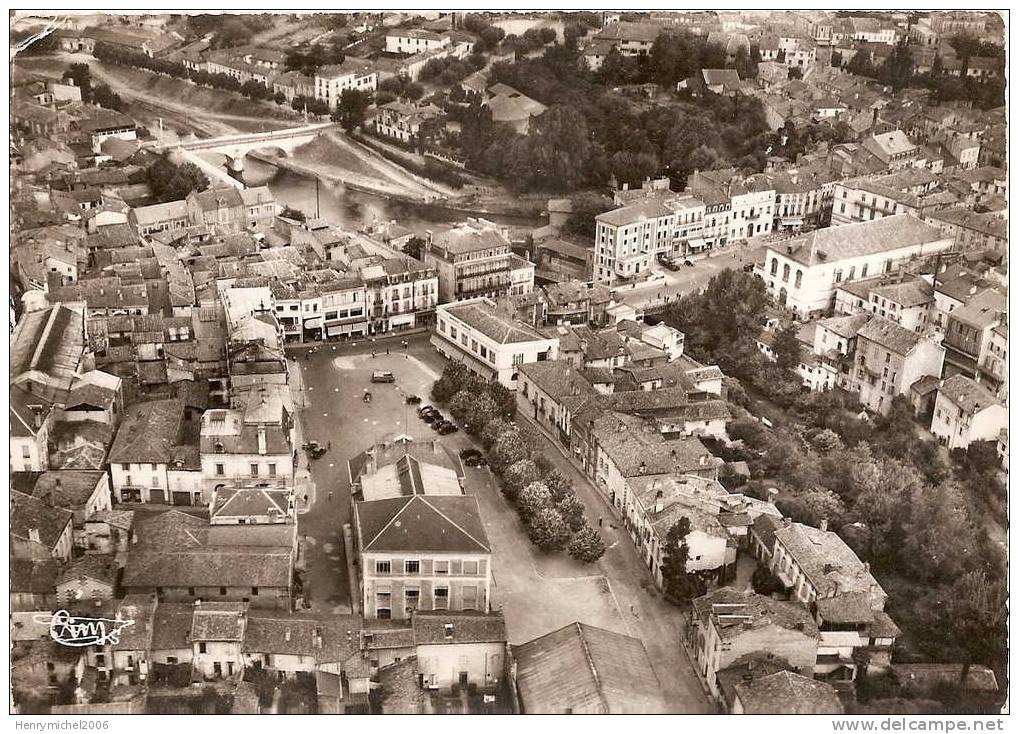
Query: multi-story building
point(488, 341)
point(247, 448)
point(976, 340)
point(474, 259)
point(231, 209)
point(151, 443)
point(822, 573)
point(422, 553)
point(972, 230)
point(630, 39)
point(736, 207)
point(415, 40)
point(726, 626)
point(966, 411)
point(888, 359)
point(803, 272)
point(353, 73)
point(344, 304)
point(893, 149)
point(401, 293)
point(629, 239)
point(906, 300)
point(910, 191)
point(402, 121)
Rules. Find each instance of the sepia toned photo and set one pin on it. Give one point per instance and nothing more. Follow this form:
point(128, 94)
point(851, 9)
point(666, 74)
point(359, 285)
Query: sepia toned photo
point(507, 362)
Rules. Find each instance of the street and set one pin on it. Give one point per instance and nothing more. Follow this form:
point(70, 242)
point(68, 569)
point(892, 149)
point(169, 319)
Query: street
point(687, 279)
point(537, 592)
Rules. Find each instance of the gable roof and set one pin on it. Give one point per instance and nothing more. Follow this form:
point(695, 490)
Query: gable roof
point(587, 669)
point(890, 335)
point(30, 514)
point(857, 239)
point(786, 692)
point(148, 433)
point(422, 523)
point(969, 395)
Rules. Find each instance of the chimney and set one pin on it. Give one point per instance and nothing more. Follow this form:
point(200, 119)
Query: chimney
point(261, 440)
point(317, 638)
point(448, 631)
point(33, 535)
point(787, 522)
point(286, 635)
point(658, 501)
point(772, 494)
point(866, 566)
point(824, 525)
point(642, 469)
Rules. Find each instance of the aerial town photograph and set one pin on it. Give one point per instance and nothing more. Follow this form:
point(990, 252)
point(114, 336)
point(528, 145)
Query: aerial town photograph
point(502, 362)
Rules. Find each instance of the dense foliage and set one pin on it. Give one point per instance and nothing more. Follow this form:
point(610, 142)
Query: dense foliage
point(544, 498)
point(169, 182)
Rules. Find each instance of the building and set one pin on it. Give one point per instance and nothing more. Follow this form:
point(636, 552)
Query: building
point(513, 108)
point(38, 530)
point(460, 649)
point(415, 41)
point(905, 299)
point(31, 422)
point(247, 448)
point(182, 558)
point(802, 273)
point(888, 359)
point(727, 626)
point(972, 230)
point(401, 293)
point(629, 39)
point(823, 573)
point(490, 343)
point(785, 693)
point(428, 553)
point(332, 80)
point(402, 121)
point(474, 259)
point(966, 411)
point(910, 191)
point(893, 149)
point(976, 340)
point(581, 669)
point(155, 444)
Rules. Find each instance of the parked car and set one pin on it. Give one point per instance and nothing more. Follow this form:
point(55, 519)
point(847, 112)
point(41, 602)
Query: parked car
point(315, 449)
point(670, 264)
point(447, 427)
point(426, 409)
point(473, 458)
point(688, 263)
point(748, 268)
point(413, 400)
point(379, 376)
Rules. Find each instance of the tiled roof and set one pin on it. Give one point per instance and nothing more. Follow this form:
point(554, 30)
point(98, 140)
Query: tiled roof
point(30, 514)
point(786, 692)
point(457, 628)
point(250, 501)
point(846, 326)
point(33, 576)
point(219, 622)
point(827, 562)
point(327, 639)
point(969, 395)
point(420, 523)
point(734, 612)
point(890, 335)
point(485, 317)
point(587, 670)
point(67, 489)
point(148, 432)
point(858, 239)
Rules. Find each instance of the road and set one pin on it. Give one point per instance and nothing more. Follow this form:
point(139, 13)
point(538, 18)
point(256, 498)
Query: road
point(688, 280)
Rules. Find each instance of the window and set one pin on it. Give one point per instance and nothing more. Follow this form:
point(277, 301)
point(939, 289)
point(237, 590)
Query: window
point(201, 647)
point(410, 598)
point(222, 591)
point(272, 470)
point(470, 597)
point(383, 567)
point(254, 470)
point(441, 567)
point(441, 597)
point(470, 568)
point(254, 591)
point(219, 470)
point(26, 452)
point(155, 467)
point(518, 359)
point(785, 272)
point(125, 467)
point(412, 566)
point(799, 279)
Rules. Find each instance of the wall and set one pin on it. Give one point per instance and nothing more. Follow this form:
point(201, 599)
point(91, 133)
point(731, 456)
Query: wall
point(441, 665)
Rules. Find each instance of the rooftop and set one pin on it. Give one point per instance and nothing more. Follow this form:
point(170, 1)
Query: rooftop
point(734, 612)
point(486, 318)
point(969, 395)
point(786, 692)
point(858, 239)
point(421, 523)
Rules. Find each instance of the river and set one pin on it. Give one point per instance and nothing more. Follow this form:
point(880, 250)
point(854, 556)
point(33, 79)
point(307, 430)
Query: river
point(352, 210)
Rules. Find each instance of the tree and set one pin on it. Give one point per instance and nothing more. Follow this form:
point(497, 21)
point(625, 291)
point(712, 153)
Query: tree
point(583, 209)
point(81, 76)
point(475, 408)
point(558, 484)
point(572, 510)
point(787, 347)
point(415, 247)
point(505, 400)
point(289, 212)
point(813, 506)
point(508, 449)
point(170, 182)
point(533, 498)
point(680, 585)
point(826, 441)
point(548, 530)
point(586, 545)
point(795, 72)
point(764, 582)
point(495, 428)
point(350, 112)
point(455, 377)
point(518, 475)
point(977, 613)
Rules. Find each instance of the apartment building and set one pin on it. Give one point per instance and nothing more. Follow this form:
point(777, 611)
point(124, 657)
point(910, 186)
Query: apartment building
point(913, 191)
point(888, 359)
point(332, 80)
point(976, 339)
point(474, 259)
point(905, 299)
point(966, 411)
